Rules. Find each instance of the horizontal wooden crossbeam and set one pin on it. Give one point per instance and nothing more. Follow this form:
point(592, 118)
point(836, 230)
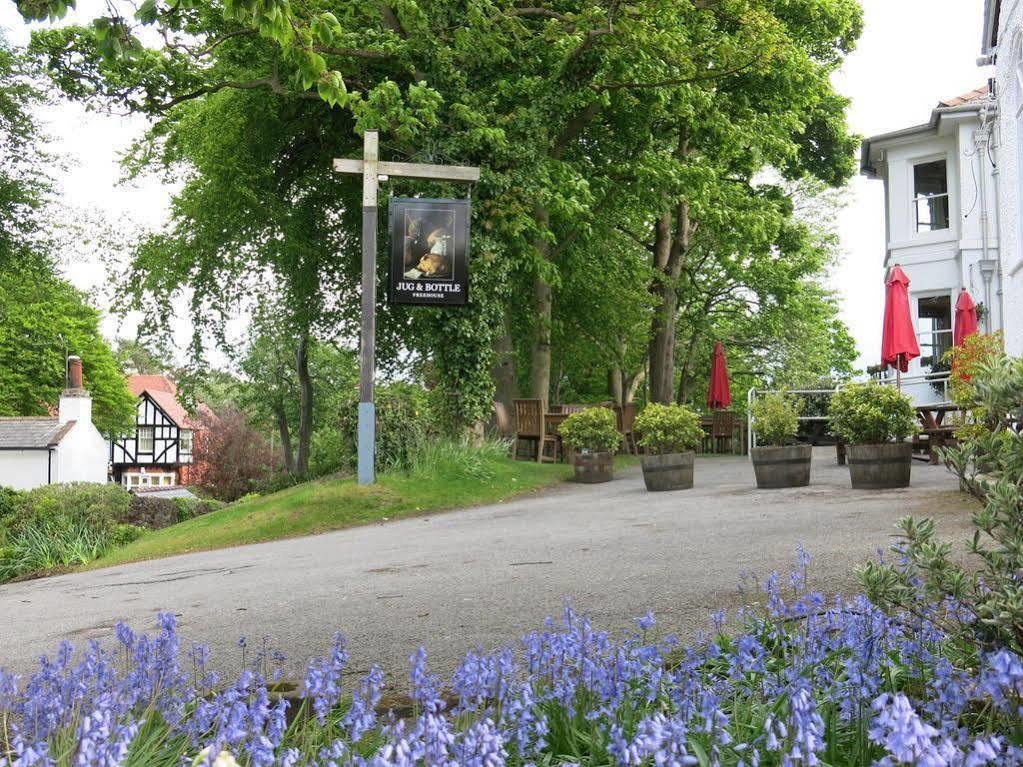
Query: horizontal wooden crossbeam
point(458, 173)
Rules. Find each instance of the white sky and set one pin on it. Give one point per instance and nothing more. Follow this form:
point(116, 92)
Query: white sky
point(912, 54)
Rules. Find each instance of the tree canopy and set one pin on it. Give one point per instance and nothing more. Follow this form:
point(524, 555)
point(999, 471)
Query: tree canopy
point(624, 148)
point(42, 317)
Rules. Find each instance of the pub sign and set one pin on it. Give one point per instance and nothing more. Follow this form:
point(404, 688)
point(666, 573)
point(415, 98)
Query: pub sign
point(429, 251)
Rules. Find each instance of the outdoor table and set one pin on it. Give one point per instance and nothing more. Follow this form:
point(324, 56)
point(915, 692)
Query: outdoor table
point(707, 424)
point(932, 419)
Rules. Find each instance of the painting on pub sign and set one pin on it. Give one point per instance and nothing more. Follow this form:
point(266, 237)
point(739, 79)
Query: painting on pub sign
point(429, 251)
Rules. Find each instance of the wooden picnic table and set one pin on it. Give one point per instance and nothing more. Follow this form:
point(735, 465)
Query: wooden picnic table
point(933, 427)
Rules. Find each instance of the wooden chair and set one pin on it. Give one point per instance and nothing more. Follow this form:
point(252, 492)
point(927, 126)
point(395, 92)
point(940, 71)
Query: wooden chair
point(529, 429)
point(573, 408)
point(722, 430)
point(626, 417)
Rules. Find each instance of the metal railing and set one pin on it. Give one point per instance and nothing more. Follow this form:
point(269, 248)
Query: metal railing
point(930, 379)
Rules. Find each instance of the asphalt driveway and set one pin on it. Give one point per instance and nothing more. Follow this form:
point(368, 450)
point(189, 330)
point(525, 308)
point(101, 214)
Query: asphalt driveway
point(484, 576)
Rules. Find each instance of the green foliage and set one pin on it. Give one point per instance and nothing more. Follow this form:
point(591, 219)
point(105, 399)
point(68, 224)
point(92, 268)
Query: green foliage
point(593, 430)
point(457, 458)
point(776, 418)
point(61, 525)
point(405, 427)
point(42, 319)
point(871, 413)
point(96, 505)
point(588, 123)
point(989, 463)
point(668, 428)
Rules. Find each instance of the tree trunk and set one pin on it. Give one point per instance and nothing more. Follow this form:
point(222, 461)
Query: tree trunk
point(285, 432)
point(540, 363)
point(305, 400)
point(662, 331)
point(672, 236)
point(614, 385)
point(505, 378)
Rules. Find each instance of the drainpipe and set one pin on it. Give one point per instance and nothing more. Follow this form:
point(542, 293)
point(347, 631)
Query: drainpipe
point(995, 175)
point(981, 137)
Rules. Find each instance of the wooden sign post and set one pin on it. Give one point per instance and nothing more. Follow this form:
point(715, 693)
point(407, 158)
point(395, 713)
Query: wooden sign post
point(373, 171)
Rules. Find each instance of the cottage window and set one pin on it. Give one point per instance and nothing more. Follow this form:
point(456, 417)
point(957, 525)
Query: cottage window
point(146, 438)
point(934, 329)
point(930, 195)
point(185, 441)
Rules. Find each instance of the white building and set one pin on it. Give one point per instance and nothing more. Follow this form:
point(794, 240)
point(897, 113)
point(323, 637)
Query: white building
point(941, 223)
point(1003, 45)
point(44, 450)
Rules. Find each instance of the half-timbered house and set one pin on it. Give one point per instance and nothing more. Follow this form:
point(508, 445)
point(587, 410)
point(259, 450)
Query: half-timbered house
point(159, 452)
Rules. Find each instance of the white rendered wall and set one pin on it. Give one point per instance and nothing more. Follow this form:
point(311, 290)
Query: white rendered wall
point(23, 469)
point(81, 456)
point(1010, 126)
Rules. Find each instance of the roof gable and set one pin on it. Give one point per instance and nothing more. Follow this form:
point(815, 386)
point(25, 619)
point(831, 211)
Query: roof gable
point(151, 383)
point(170, 406)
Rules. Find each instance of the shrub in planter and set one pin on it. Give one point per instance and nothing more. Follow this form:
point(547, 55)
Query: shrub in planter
point(874, 420)
point(778, 463)
point(669, 434)
point(593, 435)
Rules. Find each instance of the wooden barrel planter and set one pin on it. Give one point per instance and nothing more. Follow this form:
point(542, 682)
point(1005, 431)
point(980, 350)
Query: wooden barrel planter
point(593, 467)
point(787, 466)
point(672, 471)
point(880, 467)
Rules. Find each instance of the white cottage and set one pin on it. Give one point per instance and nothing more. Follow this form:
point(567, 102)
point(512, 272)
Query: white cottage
point(941, 223)
point(1002, 45)
point(44, 450)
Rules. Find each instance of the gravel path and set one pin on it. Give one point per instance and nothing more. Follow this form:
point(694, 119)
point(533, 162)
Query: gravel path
point(483, 576)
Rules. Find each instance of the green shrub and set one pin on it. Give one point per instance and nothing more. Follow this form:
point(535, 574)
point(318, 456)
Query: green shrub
point(189, 508)
point(405, 424)
point(594, 430)
point(94, 505)
point(776, 419)
point(9, 498)
point(986, 586)
point(871, 413)
point(459, 458)
point(61, 525)
point(52, 543)
point(668, 428)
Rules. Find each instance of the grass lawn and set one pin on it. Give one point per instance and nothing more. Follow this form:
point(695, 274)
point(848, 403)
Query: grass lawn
point(332, 504)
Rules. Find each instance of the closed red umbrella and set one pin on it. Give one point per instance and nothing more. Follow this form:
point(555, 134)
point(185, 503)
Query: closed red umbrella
point(966, 318)
point(898, 336)
point(719, 394)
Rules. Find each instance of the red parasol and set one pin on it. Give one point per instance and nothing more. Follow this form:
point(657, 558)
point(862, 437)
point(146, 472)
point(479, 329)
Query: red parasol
point(898, 336)
point(966, 318)
point(719, 394)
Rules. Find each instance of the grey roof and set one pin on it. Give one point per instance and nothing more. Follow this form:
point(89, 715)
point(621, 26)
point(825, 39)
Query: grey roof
point(32, 433)
point(165, 492)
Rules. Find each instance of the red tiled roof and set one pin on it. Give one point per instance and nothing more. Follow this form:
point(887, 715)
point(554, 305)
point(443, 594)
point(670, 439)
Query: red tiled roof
point(151, 383)
point(169, 404)
point(977, 94)
point(164, 393)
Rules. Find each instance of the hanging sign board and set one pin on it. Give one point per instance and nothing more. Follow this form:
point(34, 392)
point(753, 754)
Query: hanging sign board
point(429, 251)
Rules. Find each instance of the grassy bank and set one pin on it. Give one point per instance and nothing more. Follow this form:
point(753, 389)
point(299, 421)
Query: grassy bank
point(333, 504)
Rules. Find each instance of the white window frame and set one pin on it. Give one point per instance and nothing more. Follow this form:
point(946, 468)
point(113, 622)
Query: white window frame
point(135, 479)
point(915, 198)
point(151, 432)
point(185, 440)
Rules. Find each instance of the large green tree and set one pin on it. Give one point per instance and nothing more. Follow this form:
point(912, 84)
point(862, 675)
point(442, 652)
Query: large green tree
point(576, 111)
point(42, 317)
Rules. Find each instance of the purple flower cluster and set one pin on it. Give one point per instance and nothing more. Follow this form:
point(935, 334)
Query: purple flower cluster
point(802, 683)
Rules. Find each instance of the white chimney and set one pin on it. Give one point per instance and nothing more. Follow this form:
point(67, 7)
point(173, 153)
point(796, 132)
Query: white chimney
point(75, 402)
